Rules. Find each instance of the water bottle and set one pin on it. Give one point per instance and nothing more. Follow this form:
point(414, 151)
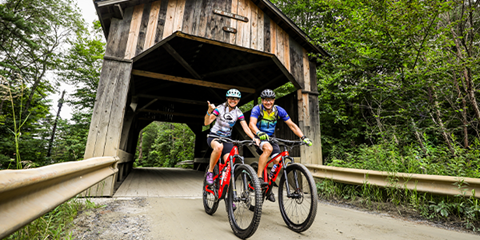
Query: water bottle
point(272, 172)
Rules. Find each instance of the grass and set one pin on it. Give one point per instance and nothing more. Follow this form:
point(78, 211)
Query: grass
point(457, 210)
point(56, 223)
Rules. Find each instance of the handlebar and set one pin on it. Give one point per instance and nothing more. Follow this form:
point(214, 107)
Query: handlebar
point(235, 142)
point(286, 142)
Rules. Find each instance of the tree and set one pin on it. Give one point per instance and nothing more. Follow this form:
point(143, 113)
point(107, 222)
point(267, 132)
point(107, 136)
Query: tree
point(81, 67)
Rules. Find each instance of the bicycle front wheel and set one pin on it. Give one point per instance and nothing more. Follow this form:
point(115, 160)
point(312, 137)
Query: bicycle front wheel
point(298, 208)
point(244, 222)
point(210, 202)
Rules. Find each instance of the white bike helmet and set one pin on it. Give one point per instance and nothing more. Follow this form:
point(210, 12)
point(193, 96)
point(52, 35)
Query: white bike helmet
point(234, 93)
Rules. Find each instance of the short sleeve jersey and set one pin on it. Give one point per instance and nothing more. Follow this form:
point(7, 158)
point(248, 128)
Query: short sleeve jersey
point(225, 120)
point(268, 123)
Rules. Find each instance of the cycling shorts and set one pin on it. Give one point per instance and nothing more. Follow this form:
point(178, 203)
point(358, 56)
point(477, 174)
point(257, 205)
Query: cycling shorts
point(227, 147)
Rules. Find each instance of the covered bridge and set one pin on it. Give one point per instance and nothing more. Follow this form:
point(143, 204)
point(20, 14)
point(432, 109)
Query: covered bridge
point(164, 59)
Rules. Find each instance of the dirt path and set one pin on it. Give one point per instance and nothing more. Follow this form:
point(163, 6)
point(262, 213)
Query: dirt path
point(174, 215)
point(175, 218)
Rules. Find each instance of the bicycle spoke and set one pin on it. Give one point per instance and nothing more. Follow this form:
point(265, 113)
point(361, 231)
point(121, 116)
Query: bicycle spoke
point(245, 210)
point(299, 207)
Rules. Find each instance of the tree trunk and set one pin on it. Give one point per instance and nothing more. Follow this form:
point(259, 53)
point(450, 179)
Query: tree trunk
point(466, 73)
point(463, 111)
point(440, 122)
point(60, 103)
point(418, 136)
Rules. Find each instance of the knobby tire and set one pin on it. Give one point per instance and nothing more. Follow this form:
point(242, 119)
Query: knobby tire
point(243, 221)
point(298, 213)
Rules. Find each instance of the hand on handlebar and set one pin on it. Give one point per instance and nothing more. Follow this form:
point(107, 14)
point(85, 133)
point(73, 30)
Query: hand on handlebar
point(257, 141)
point(307, 141)
point(263, 136)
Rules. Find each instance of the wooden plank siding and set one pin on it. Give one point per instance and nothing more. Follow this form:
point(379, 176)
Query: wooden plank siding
point(146, 24)
point(134, 31)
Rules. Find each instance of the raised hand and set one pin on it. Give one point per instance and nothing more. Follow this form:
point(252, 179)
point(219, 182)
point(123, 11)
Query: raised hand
point(211, 107)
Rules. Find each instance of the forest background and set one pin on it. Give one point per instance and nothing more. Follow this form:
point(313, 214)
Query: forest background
point(397, 94)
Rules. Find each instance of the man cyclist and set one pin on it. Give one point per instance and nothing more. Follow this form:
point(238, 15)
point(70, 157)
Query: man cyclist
point(226, 115)
point(263, 121)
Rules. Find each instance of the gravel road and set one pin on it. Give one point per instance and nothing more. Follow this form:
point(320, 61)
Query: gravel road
point(174, 218)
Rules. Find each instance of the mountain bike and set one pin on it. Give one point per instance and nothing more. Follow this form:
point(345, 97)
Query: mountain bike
point(238, 184)
point(297, 192)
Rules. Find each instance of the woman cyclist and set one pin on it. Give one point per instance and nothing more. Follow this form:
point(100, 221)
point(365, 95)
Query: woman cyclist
point(226, 114)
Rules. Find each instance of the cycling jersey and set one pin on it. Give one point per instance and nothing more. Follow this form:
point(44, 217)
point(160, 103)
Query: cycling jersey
point(226, 119)
point(268, 123)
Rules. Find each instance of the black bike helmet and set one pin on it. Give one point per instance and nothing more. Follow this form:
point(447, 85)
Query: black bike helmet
point(267, 93)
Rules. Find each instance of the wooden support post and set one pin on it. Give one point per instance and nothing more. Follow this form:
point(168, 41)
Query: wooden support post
point(308, 116)
point(108, 115)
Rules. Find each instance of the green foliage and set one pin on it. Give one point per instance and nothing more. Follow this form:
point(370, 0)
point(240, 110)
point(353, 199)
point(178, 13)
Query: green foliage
point(433, 207)
point(56, 223)
point(399, 70)
point(410, 159)
point(32, 34)
point(165, 144)
point(80, 67)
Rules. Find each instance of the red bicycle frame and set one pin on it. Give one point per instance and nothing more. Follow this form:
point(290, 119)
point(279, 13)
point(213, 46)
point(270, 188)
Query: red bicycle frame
point(277, 171)
point(224, 173)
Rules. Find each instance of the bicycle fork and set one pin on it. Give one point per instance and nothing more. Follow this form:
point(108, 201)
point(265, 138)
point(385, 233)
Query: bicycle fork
point(236, 198)
point(295, 179)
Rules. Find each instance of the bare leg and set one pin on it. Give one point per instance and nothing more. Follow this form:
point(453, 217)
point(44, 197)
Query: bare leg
point(217, 150)
point(262, 160)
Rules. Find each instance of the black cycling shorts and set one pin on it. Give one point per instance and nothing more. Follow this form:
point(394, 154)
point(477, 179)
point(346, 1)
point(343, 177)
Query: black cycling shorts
point(276, 148)
point(227, 146)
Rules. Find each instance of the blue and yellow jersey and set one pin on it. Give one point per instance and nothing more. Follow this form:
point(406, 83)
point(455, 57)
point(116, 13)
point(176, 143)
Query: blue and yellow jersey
point(268, 123)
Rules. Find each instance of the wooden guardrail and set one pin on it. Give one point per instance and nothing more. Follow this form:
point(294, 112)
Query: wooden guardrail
point(444, 185)
point(28, 194)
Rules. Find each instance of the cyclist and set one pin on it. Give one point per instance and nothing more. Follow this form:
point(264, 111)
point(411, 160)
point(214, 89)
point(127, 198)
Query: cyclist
point(226, 114)
point(263, 121)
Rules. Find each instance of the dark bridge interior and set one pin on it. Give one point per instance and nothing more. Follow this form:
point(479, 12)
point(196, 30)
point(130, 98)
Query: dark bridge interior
point(173, 80)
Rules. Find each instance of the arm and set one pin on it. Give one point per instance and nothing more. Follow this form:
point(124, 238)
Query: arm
point(246, 129)
point(295, 129)
point(209, 117)
point(253, 125)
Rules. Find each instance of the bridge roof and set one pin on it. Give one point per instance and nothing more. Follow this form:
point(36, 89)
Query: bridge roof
point(173, 79)
point(108, 9)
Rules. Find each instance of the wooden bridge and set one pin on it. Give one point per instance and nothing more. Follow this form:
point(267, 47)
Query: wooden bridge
point(165, 59)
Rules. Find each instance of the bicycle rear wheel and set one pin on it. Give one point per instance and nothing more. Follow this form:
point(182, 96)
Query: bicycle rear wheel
point(210, 202)
point(300, 208)
point(244, 222)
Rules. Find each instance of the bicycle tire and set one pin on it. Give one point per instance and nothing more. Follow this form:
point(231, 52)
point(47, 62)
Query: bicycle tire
point(298, 213)
point(210, 202)
point(243, 221)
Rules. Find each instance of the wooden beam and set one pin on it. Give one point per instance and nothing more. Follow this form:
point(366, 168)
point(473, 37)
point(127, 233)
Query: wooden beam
point(270, 82)
point(146, 105)
point(180, 60)
point(222, 44)
point(239, 68)
point(170, 99)
point(110, 2)
point(189, 81)
point(117, 11)
point(173, 113)
point(187, 66)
